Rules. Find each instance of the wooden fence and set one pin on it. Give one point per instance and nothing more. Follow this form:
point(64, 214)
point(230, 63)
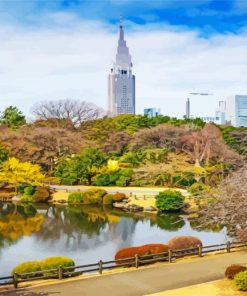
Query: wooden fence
point(65, 272)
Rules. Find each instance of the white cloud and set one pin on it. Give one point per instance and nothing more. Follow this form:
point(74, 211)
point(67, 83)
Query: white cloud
point(74, 61)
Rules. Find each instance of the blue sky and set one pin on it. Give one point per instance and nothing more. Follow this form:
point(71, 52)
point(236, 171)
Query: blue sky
point(57, 49)
point(207, 16)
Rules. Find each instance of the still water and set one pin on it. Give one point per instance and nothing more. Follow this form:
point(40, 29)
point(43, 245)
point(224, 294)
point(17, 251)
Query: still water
point(86, 234)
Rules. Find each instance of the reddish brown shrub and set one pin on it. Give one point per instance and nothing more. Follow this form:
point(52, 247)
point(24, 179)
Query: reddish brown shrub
point(152, 249)
point(118, 197)
point(126, 253)
point(141, 251)
point(232, 270)
point(183, 242)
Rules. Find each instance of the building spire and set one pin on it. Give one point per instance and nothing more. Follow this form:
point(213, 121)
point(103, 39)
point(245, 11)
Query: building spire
point(121, 31)
point(121, 21)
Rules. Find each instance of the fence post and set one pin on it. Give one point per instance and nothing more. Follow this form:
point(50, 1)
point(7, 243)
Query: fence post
point(228, 247)
point(60, 272)
point(136, 261)
point(170, 256)
point(200, 250)
point(100, 266)
point(15, 279)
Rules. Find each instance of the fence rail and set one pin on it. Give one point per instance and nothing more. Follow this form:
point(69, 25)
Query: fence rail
point(65, 272)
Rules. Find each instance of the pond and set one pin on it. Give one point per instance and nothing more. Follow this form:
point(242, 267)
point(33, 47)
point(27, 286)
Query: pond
point(86, 234)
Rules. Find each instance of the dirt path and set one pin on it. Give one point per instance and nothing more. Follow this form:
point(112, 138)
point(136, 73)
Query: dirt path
point(144, 281)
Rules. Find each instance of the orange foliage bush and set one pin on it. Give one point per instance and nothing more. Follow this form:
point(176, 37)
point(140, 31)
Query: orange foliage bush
point(126, 253)
point(183, 242)
point(152, 249)
point(232, 270)
point(141, 251)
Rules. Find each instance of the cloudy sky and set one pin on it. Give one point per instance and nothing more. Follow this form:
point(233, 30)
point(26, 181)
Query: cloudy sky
point(55, 49)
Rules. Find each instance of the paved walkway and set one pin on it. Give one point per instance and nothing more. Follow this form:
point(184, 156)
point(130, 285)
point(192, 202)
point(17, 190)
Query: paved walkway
point(144, 281)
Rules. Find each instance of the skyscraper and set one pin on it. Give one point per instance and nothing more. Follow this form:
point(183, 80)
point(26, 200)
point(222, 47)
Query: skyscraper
point(236, 110)
point(121, 81)
point(187, 113)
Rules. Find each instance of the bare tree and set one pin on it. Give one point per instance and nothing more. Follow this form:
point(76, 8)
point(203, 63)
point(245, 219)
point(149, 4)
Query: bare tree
point(208, 145)
point(76, 111)
point(228, 204)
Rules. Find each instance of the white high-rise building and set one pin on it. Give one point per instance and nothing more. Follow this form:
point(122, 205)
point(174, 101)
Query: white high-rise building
point(236, 110)
point(121, 81)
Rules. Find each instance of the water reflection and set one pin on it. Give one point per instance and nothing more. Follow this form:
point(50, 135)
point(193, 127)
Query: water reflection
point(86, 233)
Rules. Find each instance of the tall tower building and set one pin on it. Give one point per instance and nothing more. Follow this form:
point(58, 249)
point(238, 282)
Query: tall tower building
point(236, 110)
point(187, 113)
point(121, 81)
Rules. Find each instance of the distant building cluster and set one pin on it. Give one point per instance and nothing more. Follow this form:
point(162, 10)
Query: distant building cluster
point(233, 111)
point(121, 94)
point(152, 112)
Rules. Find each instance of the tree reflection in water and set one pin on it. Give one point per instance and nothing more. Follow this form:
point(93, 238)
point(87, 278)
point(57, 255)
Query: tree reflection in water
point(81, 226)
point(169, 222)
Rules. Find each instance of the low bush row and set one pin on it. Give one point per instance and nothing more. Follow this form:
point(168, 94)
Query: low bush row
point(176, 243)
point(95, 196)
point(34, 193)
point(45, 264)
point(149, 249)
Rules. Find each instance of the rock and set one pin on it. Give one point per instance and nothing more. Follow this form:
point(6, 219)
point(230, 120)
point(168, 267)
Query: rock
point(119, 205)
point(134, 208)
point(16, 198)
point(125, 200)
point(150, 209)
point(62, 201)
point(127, 207)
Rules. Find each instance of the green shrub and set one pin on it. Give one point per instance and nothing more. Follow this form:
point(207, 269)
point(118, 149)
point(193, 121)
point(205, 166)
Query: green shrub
point(108, 199)
point(29, 190)
point(21, 188)
point(93, 196)
point(199, 188)
point(169, 200)
point(102, 180)
point(55, 262)
point(240, 280)
point(42, 194)
point(27, 193)
point(75, 198)
point(25, 267)
point(118, 197)
point(27, 198)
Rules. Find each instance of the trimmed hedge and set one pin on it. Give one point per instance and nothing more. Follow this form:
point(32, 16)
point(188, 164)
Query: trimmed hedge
point(234, 269)
point(45, 264)
point(93, 196)
point(169, 200)
point(75, 198)
point(25, 267)
point(240, 280)
point(108, 199)
point(184, 242)
point(149, 249)
point(126, 253)
point(35, 194)
point(55, 262)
